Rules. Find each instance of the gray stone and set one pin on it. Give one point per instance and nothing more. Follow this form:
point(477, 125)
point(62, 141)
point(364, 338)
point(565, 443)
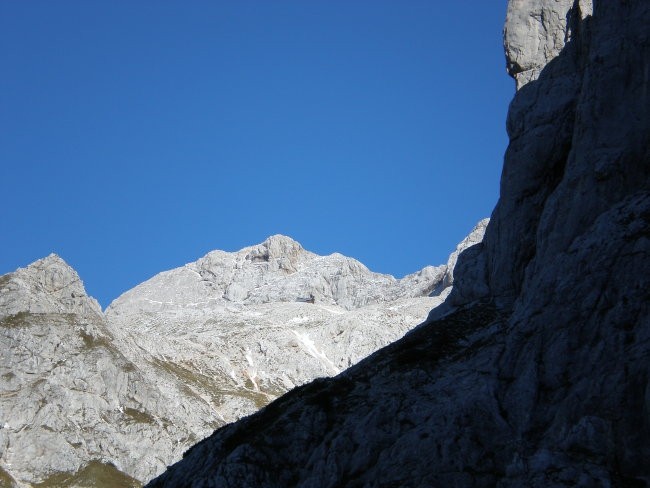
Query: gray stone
point(48, 285)
point(68, 396)
point(535, 33)
point(183, 353)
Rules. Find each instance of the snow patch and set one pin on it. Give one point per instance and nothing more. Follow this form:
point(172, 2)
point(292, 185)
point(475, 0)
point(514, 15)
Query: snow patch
point(299, 320)
point(310, 348)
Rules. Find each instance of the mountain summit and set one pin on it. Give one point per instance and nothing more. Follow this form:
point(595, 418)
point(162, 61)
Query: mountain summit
point(120, 395)
point(277, 270)
point(48, 285)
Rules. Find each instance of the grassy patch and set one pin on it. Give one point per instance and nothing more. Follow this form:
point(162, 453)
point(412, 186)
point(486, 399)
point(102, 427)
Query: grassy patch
point(93, 341)
point(16, 320)
point(93, 475)
point(210, 385)
point(129, 367)
point(27, 319)
point(139, 416)
point(4, 279)
point(6, 481)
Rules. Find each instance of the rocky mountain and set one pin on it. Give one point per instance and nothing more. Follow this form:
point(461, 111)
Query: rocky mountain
point(70, 400)
point(536, 369)
point(87, 396)
point(239, 329)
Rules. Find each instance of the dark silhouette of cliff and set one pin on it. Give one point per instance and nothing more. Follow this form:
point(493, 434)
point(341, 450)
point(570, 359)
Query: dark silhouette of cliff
point(537, 370)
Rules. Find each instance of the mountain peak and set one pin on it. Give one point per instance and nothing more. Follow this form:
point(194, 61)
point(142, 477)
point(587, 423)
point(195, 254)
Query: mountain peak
point(48, 285)
point(49, 261)
point(280, 238)
point(276, 247)
point(53, 257)
point(277, 270)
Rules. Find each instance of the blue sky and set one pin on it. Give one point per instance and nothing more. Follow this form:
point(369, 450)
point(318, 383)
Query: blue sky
point(136, 136)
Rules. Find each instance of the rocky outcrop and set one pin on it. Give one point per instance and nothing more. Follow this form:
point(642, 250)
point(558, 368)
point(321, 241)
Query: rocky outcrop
point(536, 31)
point(537, 371)
point(87, 396)
point(240, 329)
point(70, 401)
point(278, 270)
point(48, 285)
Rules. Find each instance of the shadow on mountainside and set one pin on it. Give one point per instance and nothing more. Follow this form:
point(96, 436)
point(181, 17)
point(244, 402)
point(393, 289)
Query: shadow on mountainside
point(537, 371)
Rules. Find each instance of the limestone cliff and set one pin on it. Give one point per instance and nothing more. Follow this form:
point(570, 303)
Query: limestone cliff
point(118, 396)
point(536, 372)
point(70, 400)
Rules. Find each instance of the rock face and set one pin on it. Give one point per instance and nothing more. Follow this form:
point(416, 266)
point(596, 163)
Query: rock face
point(120, 395)
point(239, 329)
point(48, 285)
point(278, 270)
point(536, 370)
point(70, 400)
point(536, 31)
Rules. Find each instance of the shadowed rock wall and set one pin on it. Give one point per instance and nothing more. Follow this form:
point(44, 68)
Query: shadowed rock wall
point(537, 372)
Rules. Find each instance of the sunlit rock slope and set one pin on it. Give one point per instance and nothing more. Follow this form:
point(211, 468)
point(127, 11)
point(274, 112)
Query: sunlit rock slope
point(70, 400)
point(86, 395)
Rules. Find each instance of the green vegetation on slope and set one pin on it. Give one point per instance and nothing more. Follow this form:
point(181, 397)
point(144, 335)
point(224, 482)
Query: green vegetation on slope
point(6, 481)
point(93, 475)
point(212, 387)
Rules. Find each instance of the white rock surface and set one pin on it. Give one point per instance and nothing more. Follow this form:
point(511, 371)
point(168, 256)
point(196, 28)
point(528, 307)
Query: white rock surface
point(48, 285)
point(535, 32)
point(184, 352)
point(68, 395)
point(248, 326)
point(278, 270)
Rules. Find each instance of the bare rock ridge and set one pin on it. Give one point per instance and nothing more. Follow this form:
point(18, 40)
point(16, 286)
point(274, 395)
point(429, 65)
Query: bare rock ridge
point(536, 370)
point(277, 270)
point(87, 395)
point(48, 285)
point(70, 401)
